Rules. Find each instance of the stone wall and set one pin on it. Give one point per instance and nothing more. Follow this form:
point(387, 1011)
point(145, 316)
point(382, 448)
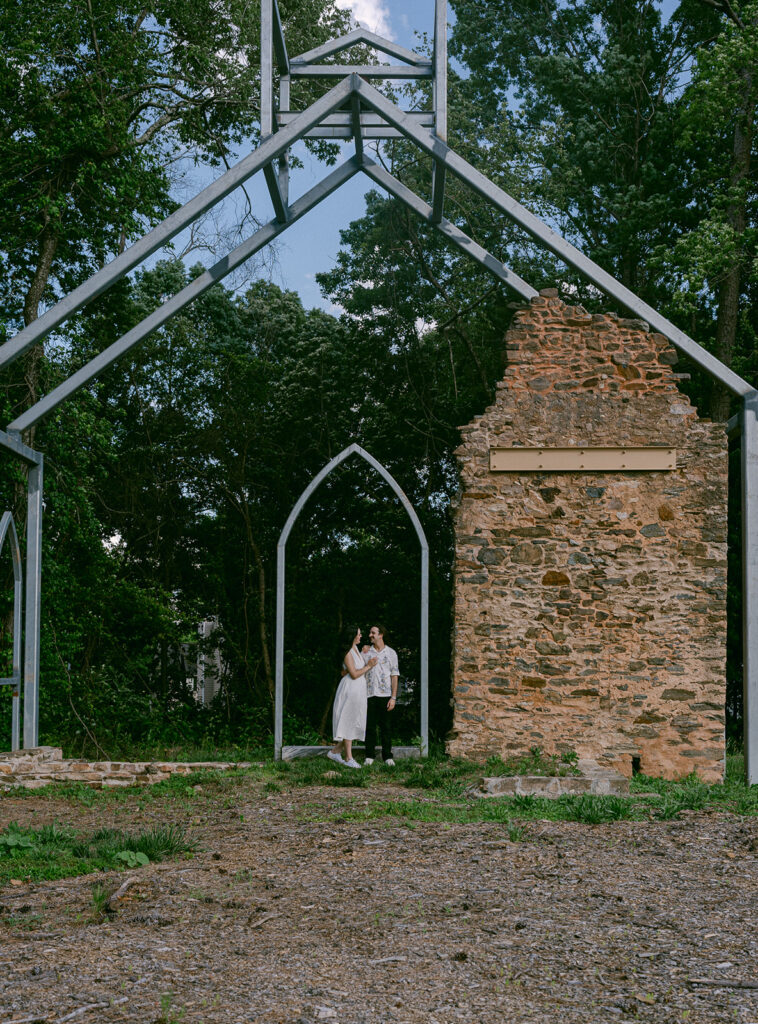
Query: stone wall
point(590, 609)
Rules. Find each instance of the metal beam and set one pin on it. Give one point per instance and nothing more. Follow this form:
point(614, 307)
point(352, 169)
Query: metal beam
point(284, 159)
point(356, 126)
point(371, 97)
point(13, 443)
point(344, 119)
point(280, 46)
point(269, 150)
point(440, 104)
point(360, 35)
point(347, 133)
point(750, 584)
point(364, 70)
point(450, 231)
point(175, 304)
point(267, 68)
point(271, 174)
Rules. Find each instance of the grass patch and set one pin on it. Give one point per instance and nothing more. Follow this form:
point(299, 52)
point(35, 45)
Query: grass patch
point(585, 807)
point(692, 794)
point(54, 852)
point(536, 762)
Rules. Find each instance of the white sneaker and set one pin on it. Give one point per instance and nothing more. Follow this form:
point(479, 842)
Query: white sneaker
point(368, 761)
point(390, 763)
point(352, 763)
point(335, 757)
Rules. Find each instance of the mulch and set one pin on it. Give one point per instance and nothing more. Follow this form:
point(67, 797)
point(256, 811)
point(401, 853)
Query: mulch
point(283, 918)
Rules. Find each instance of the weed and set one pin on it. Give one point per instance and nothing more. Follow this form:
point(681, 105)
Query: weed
point(536, 762)
point(594, 810)
point(168, 1015)
point(131, 859)
point(53, 852)
point(100, 897)
point(517, 833)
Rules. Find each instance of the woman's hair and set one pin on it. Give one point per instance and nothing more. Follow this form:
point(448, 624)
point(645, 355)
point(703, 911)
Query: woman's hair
point(347, 637)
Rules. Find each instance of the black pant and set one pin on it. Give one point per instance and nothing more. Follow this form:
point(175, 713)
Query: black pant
point(378, 715)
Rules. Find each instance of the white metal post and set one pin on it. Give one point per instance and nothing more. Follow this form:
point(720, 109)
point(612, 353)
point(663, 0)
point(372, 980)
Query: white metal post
point(750, 583)
point(33, 604)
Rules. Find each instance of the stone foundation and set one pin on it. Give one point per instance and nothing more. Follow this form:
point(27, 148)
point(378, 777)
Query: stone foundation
point(590, 608)
point(39, 766)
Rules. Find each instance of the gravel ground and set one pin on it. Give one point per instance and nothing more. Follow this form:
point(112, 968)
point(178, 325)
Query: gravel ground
point(289, 915)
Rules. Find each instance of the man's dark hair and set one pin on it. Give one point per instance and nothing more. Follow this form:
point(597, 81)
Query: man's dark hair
point(382, 629)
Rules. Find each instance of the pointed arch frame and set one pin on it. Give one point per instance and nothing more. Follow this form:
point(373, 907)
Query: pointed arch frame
point(8, 531)
point(281, 551)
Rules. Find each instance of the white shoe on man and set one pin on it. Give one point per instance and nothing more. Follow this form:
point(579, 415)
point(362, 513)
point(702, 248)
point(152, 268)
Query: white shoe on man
point(389, 763)
point(367, 762)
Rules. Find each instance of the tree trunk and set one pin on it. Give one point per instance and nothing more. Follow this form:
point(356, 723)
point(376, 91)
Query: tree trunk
point(729, 288)
point(33, 359)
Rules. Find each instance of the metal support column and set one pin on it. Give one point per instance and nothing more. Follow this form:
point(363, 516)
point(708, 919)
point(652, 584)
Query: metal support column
point(267, 68)
point(279, 684)
point(33, 608)
point(750, 583)
point(424, 695)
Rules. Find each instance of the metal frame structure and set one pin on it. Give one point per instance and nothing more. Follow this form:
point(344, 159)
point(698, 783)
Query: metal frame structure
point(281, 548)
point(28, 621)
point(354, 109)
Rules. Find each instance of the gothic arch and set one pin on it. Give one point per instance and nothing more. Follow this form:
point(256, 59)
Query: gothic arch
point(353, 449)
point(8, 529)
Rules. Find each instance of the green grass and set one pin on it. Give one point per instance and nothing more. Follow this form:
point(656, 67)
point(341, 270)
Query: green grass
point(442, 781)
point(58, 852)
point(691, 794)
point(586, 807)
point(536, 762)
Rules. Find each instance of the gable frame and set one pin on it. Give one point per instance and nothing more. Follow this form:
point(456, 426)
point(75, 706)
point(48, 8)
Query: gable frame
point(354, 93)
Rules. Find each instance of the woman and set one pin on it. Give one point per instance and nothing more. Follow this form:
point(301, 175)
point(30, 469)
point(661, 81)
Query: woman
point(349, 713)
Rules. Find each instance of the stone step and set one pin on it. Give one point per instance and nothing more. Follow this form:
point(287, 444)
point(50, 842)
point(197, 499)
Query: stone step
point(293, 752)
point(594, 779)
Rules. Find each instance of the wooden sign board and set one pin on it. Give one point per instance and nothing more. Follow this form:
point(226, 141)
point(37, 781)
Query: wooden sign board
point(587, 460)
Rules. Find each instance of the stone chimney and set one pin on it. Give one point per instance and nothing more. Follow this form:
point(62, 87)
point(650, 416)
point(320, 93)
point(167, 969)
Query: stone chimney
point(590, 605)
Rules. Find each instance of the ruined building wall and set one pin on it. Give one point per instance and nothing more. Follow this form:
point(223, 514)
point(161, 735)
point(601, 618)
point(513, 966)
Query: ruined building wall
point(590, 608)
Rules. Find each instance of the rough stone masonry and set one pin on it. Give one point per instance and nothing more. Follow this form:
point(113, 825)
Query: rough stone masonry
point(590, 608)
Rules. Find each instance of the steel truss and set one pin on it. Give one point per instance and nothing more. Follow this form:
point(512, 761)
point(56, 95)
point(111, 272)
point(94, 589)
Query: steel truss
point(355, 109)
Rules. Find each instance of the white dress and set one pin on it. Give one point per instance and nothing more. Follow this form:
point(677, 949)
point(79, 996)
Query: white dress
point(349, 713)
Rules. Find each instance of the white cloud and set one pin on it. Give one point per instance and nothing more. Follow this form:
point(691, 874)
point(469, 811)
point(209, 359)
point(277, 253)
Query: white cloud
point(371, 14)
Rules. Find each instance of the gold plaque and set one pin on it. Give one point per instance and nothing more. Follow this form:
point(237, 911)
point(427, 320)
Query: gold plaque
point(578, 460)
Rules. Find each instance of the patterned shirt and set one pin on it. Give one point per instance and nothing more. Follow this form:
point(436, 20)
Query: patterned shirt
point(378, 678)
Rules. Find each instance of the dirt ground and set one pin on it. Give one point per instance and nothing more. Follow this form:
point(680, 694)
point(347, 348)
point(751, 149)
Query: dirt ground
point(289, 915)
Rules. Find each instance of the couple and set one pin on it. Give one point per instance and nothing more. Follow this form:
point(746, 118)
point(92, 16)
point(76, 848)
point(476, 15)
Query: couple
point(362, 704)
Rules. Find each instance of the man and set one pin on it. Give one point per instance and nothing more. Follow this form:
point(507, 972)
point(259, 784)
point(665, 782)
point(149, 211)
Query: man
point(381, 691)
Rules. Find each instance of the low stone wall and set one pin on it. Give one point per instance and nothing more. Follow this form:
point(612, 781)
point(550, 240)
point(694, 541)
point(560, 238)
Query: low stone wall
point(590, 608)
point(40, 766)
